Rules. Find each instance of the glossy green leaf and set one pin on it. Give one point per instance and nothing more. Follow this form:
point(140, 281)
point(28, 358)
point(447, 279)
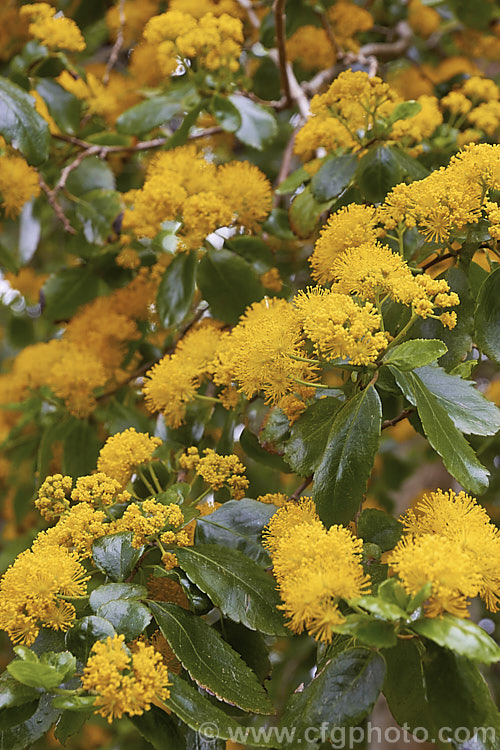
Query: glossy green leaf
point(210, 661)
point(14, 693)
point(237, 524)
point(37, 674)
point(147, 115)
point(254, 250)
point(225, 113)
point(115, 555)
point(66, 290)
point(379, 528)
point(333, 177)
point(309, 435)
point(341, 477)
point(415, 353)
point(293, 181)
point(78, 703)
point(109, 591)
point(92, 174)
point(251, 646)
point(228, 284)
point(258, 124)
point(404, 110)
point(80, 448)
point(278, 224)
point(20, 123)
point(254, 450)
point(459, 635)
point(128, 617)
point(305, 211)
point(457, 455)
point(487, 316)
point(96, 212)
point(239, 587)
point(368, 630)
point(409, 166)
point(341, 695)
point(85, 632)
point(378, 171)
point(380, 607)
point(69, 724)
point(159, 729)
point(63, 106)
point(176, 289)
point(24, 735)
point(12, 717)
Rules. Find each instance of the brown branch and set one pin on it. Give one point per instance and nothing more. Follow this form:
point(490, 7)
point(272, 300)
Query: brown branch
point(279, 23)
point(117, 45)
point(389, 50)
point(300, 489)
point(103, 151)
point(52, 199)
point(391, 422)
point(438, 259)
point(285, 166)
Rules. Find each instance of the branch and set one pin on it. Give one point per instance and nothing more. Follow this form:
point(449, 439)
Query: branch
point(391, 422)
point(52, 199)
point(251, 14)
point(117, 45)
point(438, 259)
point(279, 23)
point(285, 165)
point(300, 489)
point(389, 50)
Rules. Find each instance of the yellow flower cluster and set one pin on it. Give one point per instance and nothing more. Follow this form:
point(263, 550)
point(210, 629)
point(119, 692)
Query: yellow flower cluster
point(476, 103)
point(315, 568)
point(422, 19)
point(124, 682)
point(422, 125)
point(348, 19)
point(148, 519)
point(450, 542)
point(181, 185)
point(311, 48)
point(217, 470)
point(13, 31)
point(215, 42)
point(109, 99)
point(32, 592)
point(53, 496)
point(124, 452)
point(173, 382)
point(18, 184)
point(77, 530)
point(98, 490)
point(55, 31)
point(27, 281)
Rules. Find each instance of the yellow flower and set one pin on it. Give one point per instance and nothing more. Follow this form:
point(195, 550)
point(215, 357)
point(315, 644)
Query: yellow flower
point(98, 489)
point(311, 47)
point(56, 32)
point(422, 19)
point(322, 132)
point(273, 498)
point(148, 519)
point(124, 682)
point(423, 124)
point(123, 452)
point(348, 19)
point(18, 184)
point(76, 530)
point(272, 280)
point(53, 496)
point(217, 470)
point(247, 191)
point(28, 282)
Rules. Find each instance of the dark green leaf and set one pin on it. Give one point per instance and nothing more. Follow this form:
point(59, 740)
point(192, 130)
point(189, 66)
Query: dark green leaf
point(239, 587)
point(11, 717)
point(96, 212)
point(69, 724)
point(309, 435)
point(63, 106)
point(225, 113)
point(8, 261)
point(487, 316)
point(341, 477)
point(278, 224)
point(176, 290)
point(478, 15)
point(92, 174)
point(254, 450)
point(379, 528)
point(181, 135)
point(110, 591)
point(457, 455)
point(254, 250)
point(459, 635)
point(210, 661)
point(24, 735)
point(115, 555)
point(341, 695)
point(409, 165)
point(251, 645)
point(126, 616)
point(237, 524)
point(334, 177)
point(293, 181)
point(378, 171)
point(159, 729)
point(80, 448)
point(14, 693)
point(150, 114)
point(228, 284)
point(68, 289)
point(258, 124)
point(85, 632)
point(415, 353)
point(467, 408)
point(305, 211)
point(20, 123)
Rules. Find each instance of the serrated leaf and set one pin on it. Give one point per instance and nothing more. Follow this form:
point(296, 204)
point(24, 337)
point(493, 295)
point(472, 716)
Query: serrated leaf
point(377, 527)
point(176, 289)
point(239, 587)
point(487, 316)
point(258, 124)
point(159, 729)
point(228, 284)
point(237, 524)
point(115, 555)
point(24, 735)
point(415, 353)
point(341, 477)
point(457, 455)
point(85, 632)
point(128, 617)
point(109, 591)
point(210, 661)
point(459, 635)
point(20, 123)
point(309, 435)
point(333, 177)
point(378, 171)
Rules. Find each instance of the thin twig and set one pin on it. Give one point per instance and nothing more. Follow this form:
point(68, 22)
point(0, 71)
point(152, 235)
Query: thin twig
point(389, 50)
point(117, 45)
point(279, 23)
point(52, 198)
point(391, 422)
point(285, 166)
point(300, 489)
point(438, 259)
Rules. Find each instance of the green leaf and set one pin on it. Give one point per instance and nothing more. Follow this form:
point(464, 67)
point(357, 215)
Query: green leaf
point(92, 174)
point(20, 123)
point(305, 211)
point(85, 632)
point(176, 290)
point(333, 177)
point(115, 555)
point(404, 111)
point(41, 675)
point(195, 710)
point(278, 224)
point(377, 527)
point(24, 735)
point(159, 729)
point(254, 250)
point(103, 594)
point(239, 587)
point(181, 135)
point(237, 524)
point(254, 450)
point(341, 477)
point(96, 212)
point(63, 106)
point(404, 687)
point(462, 636)
point(69, 724)
point(380, 607)
point(8, 261)
point(74, 702)
point(341, 695)
point(467, 408)
point(378, 171)
point(258, 124)
point(11, 717)
point(80, 448)
point(210, 661)
point(66, 290)
point(225, 113)
point(457, 455)
point(368, 630)
point(478, 15)
point(14, 693)
point(293, 181)
point(228, 284)
point(415, 353)
point(143, 117)
point(126, 616)
point(251, 645)
point(487, 316)
point(409, 166)
point(309, 435)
